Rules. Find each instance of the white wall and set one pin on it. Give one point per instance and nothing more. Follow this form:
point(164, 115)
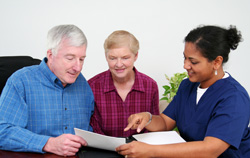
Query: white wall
point(159, 25)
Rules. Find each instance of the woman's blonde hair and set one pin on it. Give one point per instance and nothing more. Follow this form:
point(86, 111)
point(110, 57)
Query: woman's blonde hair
point(121, 38)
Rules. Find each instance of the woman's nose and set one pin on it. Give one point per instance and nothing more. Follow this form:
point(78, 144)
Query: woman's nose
point(186, 65)
point(119, 63)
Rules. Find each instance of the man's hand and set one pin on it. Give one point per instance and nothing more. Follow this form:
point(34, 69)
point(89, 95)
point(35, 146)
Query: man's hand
point(138, 121)
point(64, 145)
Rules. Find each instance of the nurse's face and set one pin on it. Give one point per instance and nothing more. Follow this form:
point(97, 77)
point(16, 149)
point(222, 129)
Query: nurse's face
point(198, 67)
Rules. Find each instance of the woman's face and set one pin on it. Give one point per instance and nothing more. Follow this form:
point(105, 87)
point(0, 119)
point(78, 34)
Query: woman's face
point(198, 67)
point(121, 62)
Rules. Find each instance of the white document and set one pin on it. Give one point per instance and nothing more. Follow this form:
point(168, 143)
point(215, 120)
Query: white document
point(100, 141)
point(110, 143)
point(159, 138)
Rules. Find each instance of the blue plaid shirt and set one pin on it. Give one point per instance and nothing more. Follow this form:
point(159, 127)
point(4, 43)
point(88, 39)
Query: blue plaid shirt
point(35, 106)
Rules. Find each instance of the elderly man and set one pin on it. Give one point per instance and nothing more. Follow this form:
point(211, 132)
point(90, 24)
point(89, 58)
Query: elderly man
point(40, 105)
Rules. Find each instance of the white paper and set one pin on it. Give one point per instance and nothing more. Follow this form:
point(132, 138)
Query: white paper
point(110, 143)
point(159, 138)
point(100, 141)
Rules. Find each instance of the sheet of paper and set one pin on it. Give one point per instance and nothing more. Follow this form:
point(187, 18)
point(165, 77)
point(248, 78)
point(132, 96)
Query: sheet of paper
point(158, 138)
point(100, 141)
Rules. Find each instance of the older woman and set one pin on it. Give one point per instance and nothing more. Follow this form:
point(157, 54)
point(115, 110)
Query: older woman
point(211, 109)
point(121, 90)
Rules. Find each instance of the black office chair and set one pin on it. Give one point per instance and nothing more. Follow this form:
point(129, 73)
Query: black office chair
point(9, 64)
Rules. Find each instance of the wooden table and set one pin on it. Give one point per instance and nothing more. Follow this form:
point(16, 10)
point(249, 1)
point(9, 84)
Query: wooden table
point(85, 152)
point(10, 154)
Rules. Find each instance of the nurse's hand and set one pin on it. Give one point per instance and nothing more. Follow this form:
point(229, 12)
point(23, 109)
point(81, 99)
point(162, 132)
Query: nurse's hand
point(135, 149)
point(138, 121)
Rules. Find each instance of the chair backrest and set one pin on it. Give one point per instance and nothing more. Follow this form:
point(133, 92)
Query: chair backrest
point(9, 64)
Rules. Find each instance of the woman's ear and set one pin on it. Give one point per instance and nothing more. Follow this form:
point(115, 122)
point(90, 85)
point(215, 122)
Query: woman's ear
point(136, 56)
point(106, 56)
point(218, 62)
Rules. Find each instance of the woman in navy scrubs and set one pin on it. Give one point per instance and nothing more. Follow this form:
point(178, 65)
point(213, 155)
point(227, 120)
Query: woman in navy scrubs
point(211, 109)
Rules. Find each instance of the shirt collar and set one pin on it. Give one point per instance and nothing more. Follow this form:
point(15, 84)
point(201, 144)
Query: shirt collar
point(109, 84)
point(138, 85)
point(48, 73)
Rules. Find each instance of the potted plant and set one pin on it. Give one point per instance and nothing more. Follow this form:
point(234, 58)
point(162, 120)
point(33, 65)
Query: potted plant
point(172, 88)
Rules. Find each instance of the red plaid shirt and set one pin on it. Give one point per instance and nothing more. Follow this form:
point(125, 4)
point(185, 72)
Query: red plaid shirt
point(111, 113)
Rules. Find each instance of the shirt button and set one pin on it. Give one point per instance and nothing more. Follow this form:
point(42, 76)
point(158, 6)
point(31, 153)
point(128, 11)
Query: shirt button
point(65, 108)
point(65, 127)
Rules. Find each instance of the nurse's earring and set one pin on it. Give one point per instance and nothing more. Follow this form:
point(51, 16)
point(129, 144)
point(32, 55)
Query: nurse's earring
point(215, 72)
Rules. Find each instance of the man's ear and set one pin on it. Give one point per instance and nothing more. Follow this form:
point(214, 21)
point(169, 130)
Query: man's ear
point(49, 54)
point(218, 62)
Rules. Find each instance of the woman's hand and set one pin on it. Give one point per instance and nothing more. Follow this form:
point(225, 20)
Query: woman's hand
point(134, 149)
point(138, 121)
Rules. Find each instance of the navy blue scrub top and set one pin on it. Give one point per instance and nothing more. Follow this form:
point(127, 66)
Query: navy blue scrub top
point(223, 112)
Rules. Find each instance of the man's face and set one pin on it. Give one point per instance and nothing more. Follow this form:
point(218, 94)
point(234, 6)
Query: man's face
point(67, 63)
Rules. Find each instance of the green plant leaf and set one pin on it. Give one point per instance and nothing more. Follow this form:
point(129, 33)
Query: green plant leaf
point(173, 85)
point(164, 98)
point(166, 87)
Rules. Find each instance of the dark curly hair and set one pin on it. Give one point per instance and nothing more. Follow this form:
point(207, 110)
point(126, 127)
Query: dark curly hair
point(213, 41)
